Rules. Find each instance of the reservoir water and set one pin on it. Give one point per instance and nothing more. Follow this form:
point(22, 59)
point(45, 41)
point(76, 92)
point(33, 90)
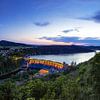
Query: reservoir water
point(68, 58)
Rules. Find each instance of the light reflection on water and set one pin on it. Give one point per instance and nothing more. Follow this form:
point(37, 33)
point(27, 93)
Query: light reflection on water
point(68, 58)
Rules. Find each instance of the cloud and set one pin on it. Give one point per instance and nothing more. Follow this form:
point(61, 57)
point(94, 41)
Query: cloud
point(95, 17)
point(62, 39)
point(70, 30)
point(88, 40)
point(41, 24)
point(67, 31)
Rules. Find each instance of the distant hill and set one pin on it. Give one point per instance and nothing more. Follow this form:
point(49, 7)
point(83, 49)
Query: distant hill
point(58, 49)
point(93, 47)
point(50, 49)
point(9, 43)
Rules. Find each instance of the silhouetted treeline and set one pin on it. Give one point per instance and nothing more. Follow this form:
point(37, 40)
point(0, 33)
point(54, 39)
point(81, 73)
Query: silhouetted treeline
point(60, 49)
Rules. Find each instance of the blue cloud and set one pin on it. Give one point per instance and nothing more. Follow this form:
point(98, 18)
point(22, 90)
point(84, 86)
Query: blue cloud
point(88, 40)
point(70, 30)
point(41, 24)
point(95, 17)
point(67, 31)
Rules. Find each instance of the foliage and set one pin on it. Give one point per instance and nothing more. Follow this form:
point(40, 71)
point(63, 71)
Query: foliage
point(81, 84)
point(8, 91)
point(8, 64)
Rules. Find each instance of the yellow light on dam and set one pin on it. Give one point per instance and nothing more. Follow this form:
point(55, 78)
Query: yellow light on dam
point(46, 62)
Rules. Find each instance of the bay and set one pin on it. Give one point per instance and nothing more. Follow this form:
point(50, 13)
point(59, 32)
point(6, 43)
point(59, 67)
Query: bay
point(68, 58)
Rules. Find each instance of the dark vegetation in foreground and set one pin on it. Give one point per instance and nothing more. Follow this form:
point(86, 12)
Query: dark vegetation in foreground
point(8, 64)
point(81, 84)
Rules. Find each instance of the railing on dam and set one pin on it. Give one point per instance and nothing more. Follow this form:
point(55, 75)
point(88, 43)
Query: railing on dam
point(54, 64)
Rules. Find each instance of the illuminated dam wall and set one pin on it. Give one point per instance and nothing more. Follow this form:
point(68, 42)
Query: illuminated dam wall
point(47, 64)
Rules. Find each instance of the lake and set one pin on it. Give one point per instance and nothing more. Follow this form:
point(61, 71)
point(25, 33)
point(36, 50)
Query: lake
point(68, 58)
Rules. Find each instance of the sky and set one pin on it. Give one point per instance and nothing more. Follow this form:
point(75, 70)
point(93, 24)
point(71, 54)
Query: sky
point(48, 22)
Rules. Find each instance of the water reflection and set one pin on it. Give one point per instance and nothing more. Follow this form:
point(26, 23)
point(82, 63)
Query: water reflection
point(68, 58)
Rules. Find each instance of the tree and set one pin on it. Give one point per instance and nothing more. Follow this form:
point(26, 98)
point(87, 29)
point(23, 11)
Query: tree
point(37, 89)
point(8, 91)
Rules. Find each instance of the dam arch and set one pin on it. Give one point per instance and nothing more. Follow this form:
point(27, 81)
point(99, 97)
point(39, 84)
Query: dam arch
point(43, 62)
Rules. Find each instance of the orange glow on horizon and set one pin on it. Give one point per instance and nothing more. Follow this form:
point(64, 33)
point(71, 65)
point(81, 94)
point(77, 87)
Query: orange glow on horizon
point(45, 42)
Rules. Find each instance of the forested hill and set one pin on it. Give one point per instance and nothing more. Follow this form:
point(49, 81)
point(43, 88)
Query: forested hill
point(47, 49)
point(89, 77)
point(58, 49)
point(9, 43)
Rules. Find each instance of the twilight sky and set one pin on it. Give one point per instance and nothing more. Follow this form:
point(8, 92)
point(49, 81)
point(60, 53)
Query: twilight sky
point(50, 21)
